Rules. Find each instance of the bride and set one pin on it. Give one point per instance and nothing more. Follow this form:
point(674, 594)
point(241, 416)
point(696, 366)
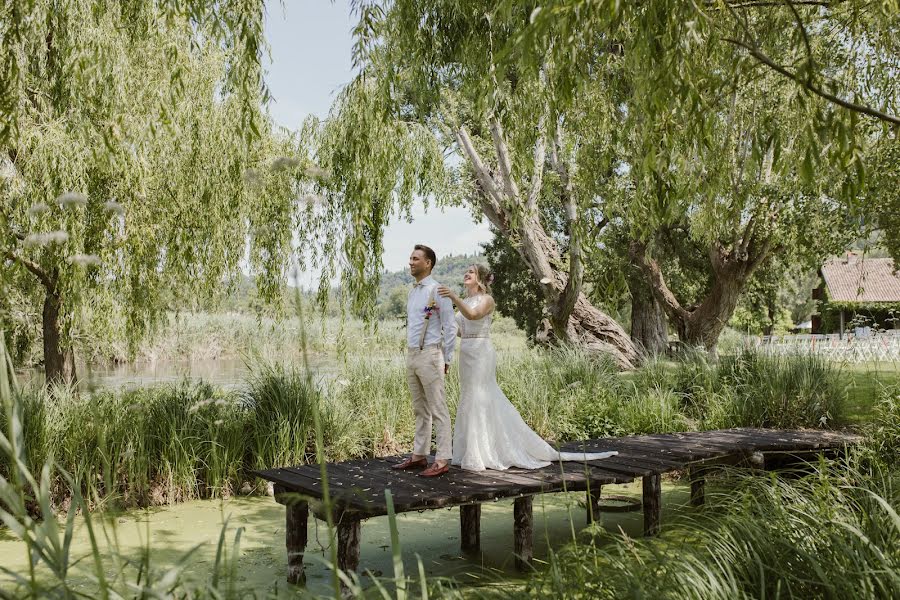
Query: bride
point(489, 432)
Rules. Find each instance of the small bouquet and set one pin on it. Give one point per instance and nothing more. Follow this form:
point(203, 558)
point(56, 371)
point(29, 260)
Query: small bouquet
point(431, 308)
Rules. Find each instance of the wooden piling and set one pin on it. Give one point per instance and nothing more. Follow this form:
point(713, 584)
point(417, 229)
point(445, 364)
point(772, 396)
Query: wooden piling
point(470, 527)
point(348, 545)
point(592, 502)
point(652, 503)
point(296, 518)
point(523, 532)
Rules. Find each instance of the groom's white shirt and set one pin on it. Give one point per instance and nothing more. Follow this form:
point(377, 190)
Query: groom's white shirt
point(442, 321)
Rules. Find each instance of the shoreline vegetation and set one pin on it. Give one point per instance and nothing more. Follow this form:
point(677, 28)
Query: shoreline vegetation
point(89, 456)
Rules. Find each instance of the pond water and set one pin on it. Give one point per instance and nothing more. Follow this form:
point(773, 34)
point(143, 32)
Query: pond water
point(224, 373)
point(432, 535)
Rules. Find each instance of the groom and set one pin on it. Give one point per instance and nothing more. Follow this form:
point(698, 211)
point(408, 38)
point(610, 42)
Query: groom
point(430, 337)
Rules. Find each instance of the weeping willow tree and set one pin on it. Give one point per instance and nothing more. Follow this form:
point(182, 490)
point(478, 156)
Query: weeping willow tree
point(741, 126)
point(136, 160)
point(744, 128)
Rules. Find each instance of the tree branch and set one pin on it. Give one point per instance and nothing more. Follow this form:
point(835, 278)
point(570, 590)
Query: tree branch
point(566, 302)
point(760, 56)
point(34, 268)
point(512, 190)
point(538, 173)
point(489, 186)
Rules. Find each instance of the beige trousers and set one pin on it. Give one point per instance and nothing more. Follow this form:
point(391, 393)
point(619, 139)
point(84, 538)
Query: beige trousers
point(425, 375)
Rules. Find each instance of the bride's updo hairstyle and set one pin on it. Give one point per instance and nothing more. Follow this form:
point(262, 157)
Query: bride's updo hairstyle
point(485, 278)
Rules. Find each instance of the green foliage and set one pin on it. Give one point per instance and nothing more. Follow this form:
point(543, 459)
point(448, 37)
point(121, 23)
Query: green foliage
point(138, 133)
point(832, 533)
point(516, 293)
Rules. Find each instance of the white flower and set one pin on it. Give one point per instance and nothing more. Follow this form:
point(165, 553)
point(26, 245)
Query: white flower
point(114, 207)
point(311, 199)
point(71, 199)
point(283, 163)
point(37, 209)
point(85, 260)
point(545, 280)
point(317, 172)
point(42, 239)
point(252, 177)
point(218, 422)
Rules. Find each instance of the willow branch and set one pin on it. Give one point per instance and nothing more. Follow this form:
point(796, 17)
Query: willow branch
point(537, 176)
point(566, 303)
point(481, 172)
point(809, 85)
point(32, 267)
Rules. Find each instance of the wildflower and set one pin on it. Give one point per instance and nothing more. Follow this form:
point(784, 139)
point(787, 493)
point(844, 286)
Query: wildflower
point(71, 199)
point(114, 207)
point(218, 422)
point(84, 260)
point(37, 209)
point(283, 163)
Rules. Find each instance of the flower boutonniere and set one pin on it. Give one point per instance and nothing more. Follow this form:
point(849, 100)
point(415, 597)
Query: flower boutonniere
point(431, 308)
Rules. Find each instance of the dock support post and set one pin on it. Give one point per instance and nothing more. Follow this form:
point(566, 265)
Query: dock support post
point(470, 527)
point(296, 519)
point(593, 504)
point(652, 502)
point(523, 531)
point(348, 545)
point(698, 487)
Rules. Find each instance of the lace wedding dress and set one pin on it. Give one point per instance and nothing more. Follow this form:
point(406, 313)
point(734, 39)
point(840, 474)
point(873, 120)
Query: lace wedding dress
point(489, 433)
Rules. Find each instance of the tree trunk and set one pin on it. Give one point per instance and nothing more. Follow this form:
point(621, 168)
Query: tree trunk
point(649, 327)
point(587, 326)
point(703, 325)
point(59, 362)
point(573, 318)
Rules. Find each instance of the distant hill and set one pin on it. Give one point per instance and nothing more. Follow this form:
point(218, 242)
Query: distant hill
point(395, 284)
point(450, 270)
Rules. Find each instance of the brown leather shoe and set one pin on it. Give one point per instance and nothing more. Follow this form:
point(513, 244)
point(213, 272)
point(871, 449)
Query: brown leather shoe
point(435, 471)
point(409, 463)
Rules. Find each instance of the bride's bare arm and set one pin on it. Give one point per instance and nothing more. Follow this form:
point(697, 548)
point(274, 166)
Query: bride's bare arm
point(472, 313)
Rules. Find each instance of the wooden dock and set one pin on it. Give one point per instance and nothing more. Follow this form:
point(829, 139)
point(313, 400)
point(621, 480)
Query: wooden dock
point(357, 488)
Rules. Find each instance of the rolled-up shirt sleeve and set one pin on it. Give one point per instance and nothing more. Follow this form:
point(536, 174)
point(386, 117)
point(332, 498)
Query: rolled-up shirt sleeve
point(448, 326)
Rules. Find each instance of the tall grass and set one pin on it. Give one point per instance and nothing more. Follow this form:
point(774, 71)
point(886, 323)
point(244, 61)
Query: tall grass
point(167, 444)
point(26, 509)
point(832, 534)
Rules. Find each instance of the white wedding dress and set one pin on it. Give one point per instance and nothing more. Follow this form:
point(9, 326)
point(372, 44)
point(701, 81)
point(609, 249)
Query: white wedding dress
point(489, 433)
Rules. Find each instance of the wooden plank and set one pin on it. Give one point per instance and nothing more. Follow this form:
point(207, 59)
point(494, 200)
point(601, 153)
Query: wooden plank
point(296, 519)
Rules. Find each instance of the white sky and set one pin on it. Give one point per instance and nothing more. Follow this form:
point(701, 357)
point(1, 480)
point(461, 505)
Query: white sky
point(311, 43)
